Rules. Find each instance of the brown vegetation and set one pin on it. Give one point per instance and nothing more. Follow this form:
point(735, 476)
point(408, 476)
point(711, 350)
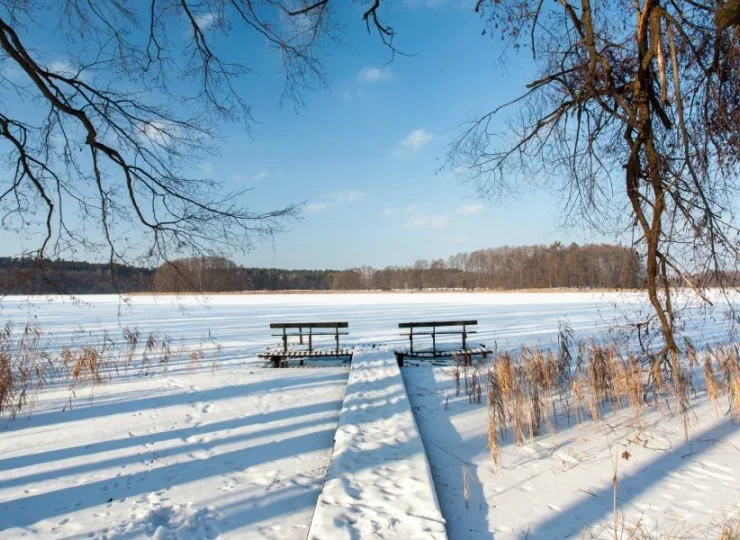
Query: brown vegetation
point(532, 390)
point(509, 268)
point(30, 361)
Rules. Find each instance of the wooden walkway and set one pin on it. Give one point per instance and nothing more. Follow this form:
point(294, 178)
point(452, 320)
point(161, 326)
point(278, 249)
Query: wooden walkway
point(379, 484)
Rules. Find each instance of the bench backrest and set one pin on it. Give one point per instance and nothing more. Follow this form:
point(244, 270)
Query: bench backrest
point(310, 325)
point(435, 323)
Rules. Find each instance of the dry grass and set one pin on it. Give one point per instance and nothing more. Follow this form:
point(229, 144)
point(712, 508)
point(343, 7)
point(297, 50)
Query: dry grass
point(493, 442)
point(527, 391)
point(24, 369)
point(30, 360)
point(713, 386)
point(730, 530)
point(730, 365)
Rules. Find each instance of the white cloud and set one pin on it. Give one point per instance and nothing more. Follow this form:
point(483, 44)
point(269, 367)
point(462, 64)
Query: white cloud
point(372, 74)
point(205, 20)
point(335, 198)
point(389, 211)
point(207, 168)
point(414, 141)
point(62, 67)
point(313, 208)
point(260, 176)
point(469, 209)
point(419, 220)
point(346, 195)
point(159, 132)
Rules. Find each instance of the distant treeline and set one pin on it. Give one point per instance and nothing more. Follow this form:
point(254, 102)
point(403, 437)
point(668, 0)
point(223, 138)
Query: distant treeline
point(527, 267)
point(28, 276)
point(209, 274)
point(530, 267)
point(218, 274)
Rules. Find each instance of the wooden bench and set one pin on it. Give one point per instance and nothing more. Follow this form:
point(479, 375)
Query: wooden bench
point(418, 329)
point(305, 332)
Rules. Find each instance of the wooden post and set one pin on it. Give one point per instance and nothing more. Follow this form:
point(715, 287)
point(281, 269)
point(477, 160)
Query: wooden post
point(464, 336)
point(411, 339)
point(434, 341)
point(399, 359)
point(285, 341)
point(310, 339)
point(336, 338)
point(300, 335)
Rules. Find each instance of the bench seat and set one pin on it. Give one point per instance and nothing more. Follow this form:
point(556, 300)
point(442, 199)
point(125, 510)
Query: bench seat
point(458, 333)
point(306, 354)
point(304, 334)
point(279, 358)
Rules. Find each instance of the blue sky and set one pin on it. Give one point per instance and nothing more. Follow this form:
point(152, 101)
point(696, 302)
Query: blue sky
point(365, 155)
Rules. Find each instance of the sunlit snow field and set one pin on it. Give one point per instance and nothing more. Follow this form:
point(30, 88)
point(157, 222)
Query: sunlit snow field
point(240, 323)
point(229, 449)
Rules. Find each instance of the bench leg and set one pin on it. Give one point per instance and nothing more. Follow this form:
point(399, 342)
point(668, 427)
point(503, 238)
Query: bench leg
point(399, 359)
point(411, 339)
point(275, 361)
point(336, 339)
point(285, 341)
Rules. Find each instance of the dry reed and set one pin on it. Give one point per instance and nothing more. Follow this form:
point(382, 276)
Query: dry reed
point(30, 361)
point(528, 390)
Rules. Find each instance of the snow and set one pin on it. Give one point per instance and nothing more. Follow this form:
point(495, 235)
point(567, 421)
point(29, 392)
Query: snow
point(240, 323)
point(229, 449)
point(238, 453)
point(560, 486)
point(379, 484)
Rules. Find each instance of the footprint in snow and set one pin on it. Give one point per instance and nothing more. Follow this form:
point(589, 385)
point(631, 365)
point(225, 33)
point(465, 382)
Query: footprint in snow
point(567, 458)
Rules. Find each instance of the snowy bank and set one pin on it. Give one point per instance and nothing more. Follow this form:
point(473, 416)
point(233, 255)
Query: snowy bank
point(239, 453)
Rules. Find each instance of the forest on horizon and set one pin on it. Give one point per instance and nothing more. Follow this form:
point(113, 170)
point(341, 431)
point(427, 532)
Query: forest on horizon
point(521, 267)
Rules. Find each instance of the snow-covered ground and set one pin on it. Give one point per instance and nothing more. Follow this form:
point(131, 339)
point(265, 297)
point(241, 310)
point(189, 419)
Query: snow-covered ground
point(240, 453)
point(560, 486)
point(228, 448)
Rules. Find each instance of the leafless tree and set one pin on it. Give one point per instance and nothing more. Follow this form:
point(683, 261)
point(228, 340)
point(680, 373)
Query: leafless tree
point(636, 108)
point(98, 150)
point(508, 268)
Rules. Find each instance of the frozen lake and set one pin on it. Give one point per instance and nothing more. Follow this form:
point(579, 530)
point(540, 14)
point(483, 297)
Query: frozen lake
point(240, 323)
